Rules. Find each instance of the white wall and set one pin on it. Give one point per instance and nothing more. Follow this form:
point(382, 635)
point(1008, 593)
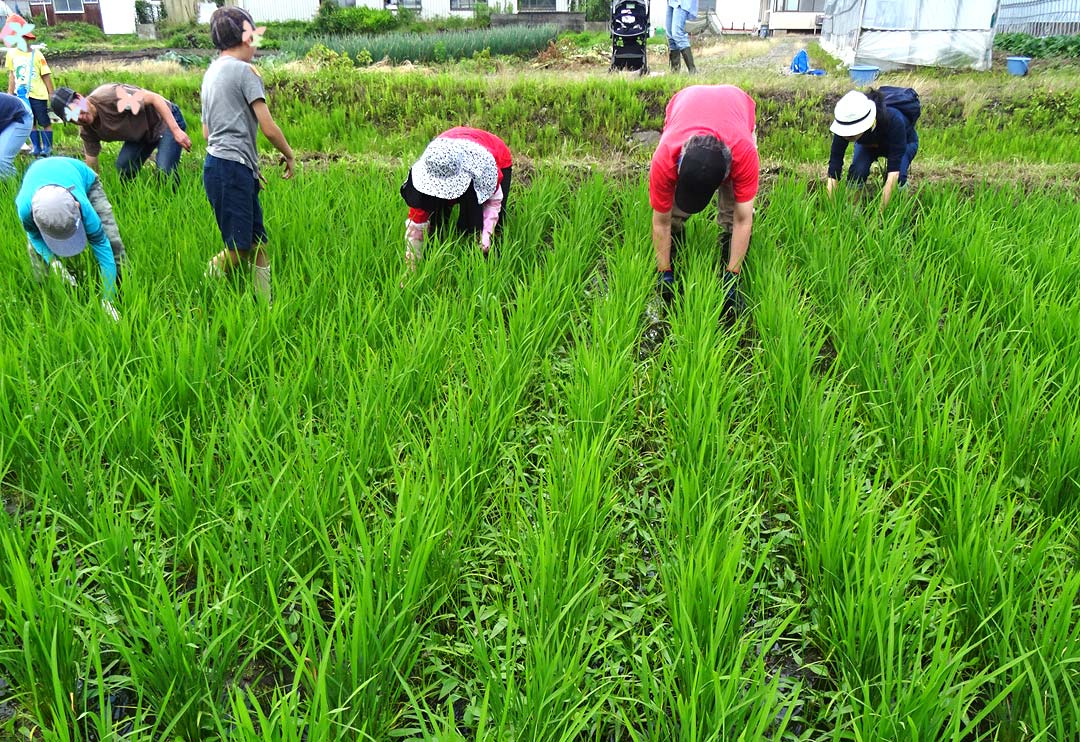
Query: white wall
point(281, 10)
point(118, 16)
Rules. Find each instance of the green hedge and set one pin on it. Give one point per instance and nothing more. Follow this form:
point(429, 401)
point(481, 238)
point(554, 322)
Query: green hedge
point(430, 47)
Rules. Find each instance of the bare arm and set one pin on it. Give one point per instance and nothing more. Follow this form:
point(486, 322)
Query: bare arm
point(661, 239)
point(271, 131)
point(162, 107)
point(891, 179)
point(740, 234)
point(92, 161)
point(47, 79)
point(11, 83)
point(205, 132)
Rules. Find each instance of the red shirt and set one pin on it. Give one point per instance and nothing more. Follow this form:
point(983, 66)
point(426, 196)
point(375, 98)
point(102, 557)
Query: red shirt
point(724, 111)
point(485, 139)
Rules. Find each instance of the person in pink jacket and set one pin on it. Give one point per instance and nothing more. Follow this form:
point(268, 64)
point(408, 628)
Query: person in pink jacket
point(463, 167)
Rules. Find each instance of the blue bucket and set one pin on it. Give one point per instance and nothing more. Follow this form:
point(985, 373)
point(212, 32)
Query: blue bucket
point(1017, 65)
point(861, 74)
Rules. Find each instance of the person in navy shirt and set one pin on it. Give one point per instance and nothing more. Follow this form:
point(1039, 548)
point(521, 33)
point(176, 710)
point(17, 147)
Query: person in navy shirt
point(16, 121)
point(877, 131)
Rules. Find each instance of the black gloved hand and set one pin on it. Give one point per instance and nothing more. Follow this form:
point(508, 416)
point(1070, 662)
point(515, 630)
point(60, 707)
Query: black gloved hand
point(734, 303)
point(666, 284)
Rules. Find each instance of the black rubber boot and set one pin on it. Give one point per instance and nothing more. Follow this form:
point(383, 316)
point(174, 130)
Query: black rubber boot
point(688, 56)
point(674, 55)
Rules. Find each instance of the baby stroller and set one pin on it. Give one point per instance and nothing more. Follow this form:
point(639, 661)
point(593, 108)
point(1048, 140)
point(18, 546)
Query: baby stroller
point(629, 35)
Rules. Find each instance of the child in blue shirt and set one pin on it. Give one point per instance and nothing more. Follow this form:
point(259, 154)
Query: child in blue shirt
point(62, 206)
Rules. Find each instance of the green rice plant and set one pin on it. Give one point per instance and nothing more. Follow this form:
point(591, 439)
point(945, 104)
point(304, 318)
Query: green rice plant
point(474, 502)
point(41, 652)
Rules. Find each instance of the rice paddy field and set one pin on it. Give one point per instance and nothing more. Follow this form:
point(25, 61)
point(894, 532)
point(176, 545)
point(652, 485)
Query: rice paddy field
point(501, 500)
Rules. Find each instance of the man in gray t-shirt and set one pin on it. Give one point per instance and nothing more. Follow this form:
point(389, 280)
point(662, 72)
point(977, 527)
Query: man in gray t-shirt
point(233, 111)
point(229, 89)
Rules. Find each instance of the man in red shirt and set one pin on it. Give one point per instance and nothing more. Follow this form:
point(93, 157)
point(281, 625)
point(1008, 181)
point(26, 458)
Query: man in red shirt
point(708, 145)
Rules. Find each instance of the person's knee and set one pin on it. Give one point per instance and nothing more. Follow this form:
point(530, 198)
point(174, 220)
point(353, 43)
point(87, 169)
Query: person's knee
point(128, 170)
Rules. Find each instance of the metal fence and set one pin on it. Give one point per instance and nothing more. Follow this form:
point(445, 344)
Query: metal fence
point(1039, 17)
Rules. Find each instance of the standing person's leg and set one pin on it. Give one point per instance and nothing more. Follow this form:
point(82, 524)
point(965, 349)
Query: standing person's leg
point(131, 158)
point(681, 38)
point(38, 266)
point(168, 151)
point(507, 174)
point(440, 215)
point(734, 303)
point(40, 112)
point(104, 210)
point(678, 233)
point(230, 189)
point(470, 213)
point(11, 141)
point(674, 54)
point(43, 141)
point(909, 154)
point(725, 218)
point(260, 258)
point(861, 160)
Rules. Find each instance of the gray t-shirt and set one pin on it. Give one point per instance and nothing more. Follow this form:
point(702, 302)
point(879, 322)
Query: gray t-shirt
point(229, 87)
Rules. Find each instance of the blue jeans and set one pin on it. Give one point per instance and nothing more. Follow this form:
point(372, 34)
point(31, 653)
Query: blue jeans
point(11, 141)
point(134, 154)
point(864, 157)
point(676, 29)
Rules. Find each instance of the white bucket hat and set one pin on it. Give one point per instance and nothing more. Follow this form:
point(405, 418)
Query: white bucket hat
point(448, 166)
point(58, 217)
point(854, 114)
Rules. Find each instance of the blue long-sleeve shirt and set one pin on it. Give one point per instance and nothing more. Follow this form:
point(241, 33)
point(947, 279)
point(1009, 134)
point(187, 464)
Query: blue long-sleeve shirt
point(79, 179)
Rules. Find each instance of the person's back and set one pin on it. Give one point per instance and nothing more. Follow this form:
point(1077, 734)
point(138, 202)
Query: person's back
point(229, 88)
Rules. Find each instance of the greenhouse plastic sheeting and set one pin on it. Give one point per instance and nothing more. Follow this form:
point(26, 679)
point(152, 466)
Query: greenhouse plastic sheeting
point(891, 33)
point(1039, 17)
point(891, 49)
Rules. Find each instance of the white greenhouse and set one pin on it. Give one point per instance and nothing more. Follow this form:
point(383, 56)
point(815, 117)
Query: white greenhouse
point(896, 33)
point(1039, 17)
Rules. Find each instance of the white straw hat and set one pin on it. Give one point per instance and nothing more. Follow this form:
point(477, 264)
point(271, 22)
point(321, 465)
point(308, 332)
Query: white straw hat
point(448, 166)
point(854, 114)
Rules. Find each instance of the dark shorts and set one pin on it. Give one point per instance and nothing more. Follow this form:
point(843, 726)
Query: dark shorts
point(233, 191)
point(40, 109)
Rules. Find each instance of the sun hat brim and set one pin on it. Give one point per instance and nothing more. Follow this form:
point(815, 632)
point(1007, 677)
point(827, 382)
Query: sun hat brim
point(444, 188)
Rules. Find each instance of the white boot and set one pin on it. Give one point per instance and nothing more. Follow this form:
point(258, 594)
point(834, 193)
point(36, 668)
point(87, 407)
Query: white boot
point(213, 270)
point(261, 274)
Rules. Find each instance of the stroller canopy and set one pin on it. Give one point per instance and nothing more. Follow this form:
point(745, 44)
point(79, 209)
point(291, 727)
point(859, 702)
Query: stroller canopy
point(629, 18)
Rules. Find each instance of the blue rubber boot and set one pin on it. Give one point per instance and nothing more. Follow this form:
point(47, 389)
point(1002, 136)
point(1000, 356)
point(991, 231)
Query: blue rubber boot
point(35, 139)
point(46, 143)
